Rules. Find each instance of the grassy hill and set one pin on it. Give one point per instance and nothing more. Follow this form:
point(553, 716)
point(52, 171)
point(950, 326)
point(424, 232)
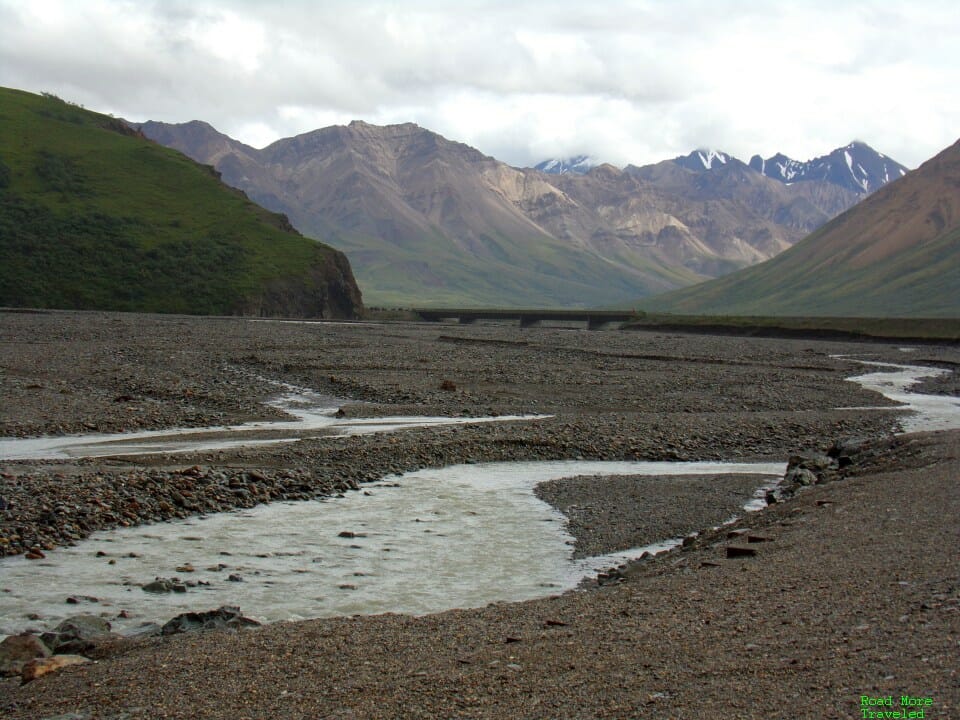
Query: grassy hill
point(94, 216)
point(896, 254)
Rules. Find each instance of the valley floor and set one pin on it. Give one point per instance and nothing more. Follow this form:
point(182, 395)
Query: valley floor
point(854, 593)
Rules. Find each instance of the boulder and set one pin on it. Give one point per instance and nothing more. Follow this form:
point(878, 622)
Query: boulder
point(147, 629)
point(17, 650)
point(848, 448)
point(77, 634)
point(227, 616)
point(800, 476)
point(164, 585)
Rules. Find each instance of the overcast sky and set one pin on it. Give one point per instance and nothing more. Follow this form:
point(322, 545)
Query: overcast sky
point(626, 81)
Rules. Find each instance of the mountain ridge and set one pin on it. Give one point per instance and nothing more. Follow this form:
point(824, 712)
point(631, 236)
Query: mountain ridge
point(896, 254)
point(426, 220)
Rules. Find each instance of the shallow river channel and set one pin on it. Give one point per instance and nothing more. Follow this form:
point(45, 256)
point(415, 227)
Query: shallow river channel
point(426, 541)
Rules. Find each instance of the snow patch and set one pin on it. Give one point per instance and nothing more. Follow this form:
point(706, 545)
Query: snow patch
point(709, 157)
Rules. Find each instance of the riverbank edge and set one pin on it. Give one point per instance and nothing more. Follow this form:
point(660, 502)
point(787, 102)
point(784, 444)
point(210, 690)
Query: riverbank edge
point(784, 527)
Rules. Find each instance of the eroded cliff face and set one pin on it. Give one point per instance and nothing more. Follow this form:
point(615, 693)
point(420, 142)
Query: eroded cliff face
point(327, 290)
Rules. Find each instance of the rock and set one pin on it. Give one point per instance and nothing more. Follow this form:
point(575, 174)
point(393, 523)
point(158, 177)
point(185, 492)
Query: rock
point(800, 476)
point(821, 467)
point(235, 578)
point(35, 554)
point(43, 666)
point(149, 629)
point(77, 634)
point(227, 616)
point(848, 447)
point(77, 599)
point(448, 385)
point(17, 650)
point(734, 551)
point(159, 585)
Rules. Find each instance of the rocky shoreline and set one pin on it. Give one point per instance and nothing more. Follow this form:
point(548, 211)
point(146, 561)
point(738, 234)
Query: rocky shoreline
point(652, 396)
point(842, 596)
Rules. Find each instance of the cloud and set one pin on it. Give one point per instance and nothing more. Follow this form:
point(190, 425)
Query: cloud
point(624, 80)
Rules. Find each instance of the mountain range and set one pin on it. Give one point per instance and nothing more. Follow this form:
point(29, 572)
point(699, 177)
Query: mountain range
point(429, 221)
point(856, 167)
point(895, 254)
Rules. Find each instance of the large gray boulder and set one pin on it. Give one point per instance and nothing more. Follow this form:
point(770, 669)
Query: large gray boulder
point(227, 616)
point(78, 634)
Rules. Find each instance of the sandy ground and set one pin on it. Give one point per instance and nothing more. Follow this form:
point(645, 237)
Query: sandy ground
point(855, 593)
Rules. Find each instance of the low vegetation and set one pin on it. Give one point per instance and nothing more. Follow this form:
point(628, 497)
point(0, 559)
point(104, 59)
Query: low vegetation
point(93, 216)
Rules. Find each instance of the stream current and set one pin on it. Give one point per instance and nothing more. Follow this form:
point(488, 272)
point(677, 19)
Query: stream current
point(425, 541)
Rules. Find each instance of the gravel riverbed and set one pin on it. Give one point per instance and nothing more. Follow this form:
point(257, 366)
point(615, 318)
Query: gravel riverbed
point(802, 631)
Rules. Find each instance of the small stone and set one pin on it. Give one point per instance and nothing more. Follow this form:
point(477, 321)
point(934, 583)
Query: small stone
point(234, 577)
point(40, 667)
point(734, 551)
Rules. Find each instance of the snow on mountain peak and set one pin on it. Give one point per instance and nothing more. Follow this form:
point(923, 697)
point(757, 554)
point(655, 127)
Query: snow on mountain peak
point(579, 164)
point(709, 157)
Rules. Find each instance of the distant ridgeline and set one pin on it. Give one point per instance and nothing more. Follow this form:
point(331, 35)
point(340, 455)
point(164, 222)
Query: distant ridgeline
point(95, 216)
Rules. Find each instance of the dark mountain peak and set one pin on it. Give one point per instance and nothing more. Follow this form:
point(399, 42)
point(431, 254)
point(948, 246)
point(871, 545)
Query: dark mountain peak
point(703, 159)
point(855, 166)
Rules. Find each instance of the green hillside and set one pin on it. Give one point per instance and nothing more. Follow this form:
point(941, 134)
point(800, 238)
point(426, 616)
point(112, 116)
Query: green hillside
point(430, 271)
point(921, 282)
point(94, 216)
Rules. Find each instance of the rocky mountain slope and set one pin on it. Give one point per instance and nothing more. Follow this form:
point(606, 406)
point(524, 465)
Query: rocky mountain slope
point(428, 221)
point(896, 254)
point(94, 216)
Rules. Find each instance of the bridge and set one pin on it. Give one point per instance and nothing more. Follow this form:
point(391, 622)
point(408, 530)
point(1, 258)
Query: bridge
point(595, 319)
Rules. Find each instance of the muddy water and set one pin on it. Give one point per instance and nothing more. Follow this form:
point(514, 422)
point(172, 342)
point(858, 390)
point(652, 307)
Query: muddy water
point(426, 541)
point(312, 415)
point(927, 412)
